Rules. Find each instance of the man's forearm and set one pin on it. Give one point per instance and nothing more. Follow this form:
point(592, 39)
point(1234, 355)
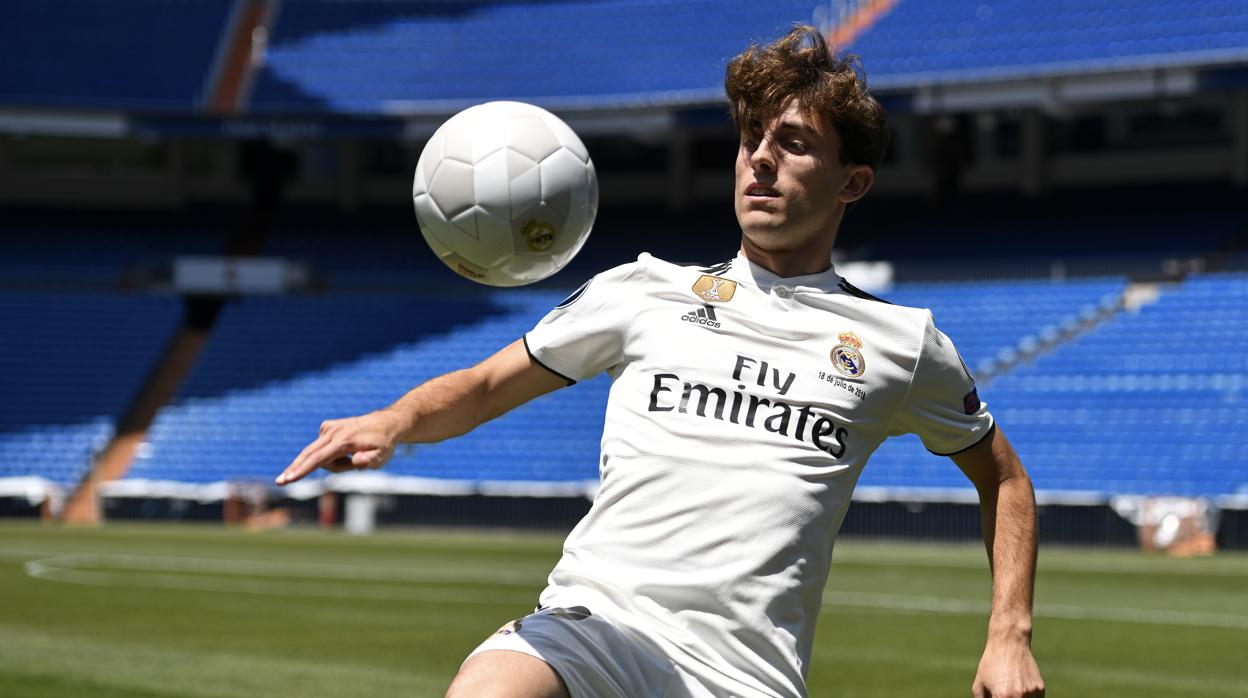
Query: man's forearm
point(438, 409)
point(443, 407)
point(1009, 521)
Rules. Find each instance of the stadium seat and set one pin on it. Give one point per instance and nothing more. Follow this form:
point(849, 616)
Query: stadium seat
point(62, 403)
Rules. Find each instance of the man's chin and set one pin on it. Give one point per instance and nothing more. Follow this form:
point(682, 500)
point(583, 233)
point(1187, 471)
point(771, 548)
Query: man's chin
point(769, 238)
point(764, 222)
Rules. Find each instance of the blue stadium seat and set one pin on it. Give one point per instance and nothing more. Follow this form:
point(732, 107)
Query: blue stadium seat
point(134, 54)
point(381, 56)
point(388, 53)
point(72, 364)
point(1156, 399)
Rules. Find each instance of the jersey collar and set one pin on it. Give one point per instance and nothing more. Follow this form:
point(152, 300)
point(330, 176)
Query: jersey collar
point(743, 270)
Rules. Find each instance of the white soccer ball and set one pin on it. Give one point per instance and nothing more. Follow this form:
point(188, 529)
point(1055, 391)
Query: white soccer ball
point(505, 193)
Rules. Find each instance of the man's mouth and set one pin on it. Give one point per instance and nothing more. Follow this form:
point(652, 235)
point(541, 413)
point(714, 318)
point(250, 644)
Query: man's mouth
point(761, 190)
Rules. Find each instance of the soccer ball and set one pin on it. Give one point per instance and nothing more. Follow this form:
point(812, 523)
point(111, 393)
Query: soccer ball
point(505, 193)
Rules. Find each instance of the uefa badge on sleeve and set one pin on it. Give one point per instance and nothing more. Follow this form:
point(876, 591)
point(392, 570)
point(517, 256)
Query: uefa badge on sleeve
point(970, 401)
point(847, 356)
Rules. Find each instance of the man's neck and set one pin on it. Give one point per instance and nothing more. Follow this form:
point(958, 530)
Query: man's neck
point(789, 263)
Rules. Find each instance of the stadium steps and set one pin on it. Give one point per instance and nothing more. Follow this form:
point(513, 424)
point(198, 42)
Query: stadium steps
point(72, 364)
point(1030, 348)
point(167, 374)
point(234, 68)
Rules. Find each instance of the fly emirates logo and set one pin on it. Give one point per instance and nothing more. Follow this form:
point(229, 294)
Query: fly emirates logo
point(800, 422)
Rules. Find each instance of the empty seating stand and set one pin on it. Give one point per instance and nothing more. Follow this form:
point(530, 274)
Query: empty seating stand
point(130, 54)
point(72, 364)
point(276, 368)
point(385, 56)
point(371, 56)
point(1153, 403)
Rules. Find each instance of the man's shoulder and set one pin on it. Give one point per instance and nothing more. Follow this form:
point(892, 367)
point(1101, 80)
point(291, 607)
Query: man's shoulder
point(882, 309)
point(622, 273)
point(652, 270)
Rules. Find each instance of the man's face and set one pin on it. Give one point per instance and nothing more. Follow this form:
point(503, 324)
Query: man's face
point(790, 183)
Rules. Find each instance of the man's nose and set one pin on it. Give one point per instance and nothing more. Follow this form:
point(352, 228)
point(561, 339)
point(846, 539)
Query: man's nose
point(763, 158)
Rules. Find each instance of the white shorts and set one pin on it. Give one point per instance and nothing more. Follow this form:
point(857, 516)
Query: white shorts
point(595, 658)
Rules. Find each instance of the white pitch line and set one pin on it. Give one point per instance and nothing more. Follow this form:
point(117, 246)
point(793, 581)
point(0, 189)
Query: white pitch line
point(1125, 566)
point(23, 555)
point(47, 570)
point(323, 570)
point(140, 570)
point(939, 604)
point(1097, 674)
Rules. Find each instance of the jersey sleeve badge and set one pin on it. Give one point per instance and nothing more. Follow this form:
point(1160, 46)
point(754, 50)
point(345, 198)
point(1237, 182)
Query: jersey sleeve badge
point(970, 401)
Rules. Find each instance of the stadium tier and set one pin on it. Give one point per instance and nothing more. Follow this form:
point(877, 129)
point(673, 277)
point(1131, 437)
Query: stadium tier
point(926, 41)
point(385, 56)
point(990, 319)
point(374, 56)
point(1154, 402)
point(276, 367)
point(72, 364)
point(130, 54)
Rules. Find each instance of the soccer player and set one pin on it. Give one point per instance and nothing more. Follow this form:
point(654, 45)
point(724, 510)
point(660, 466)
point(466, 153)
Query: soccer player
point(747, 397)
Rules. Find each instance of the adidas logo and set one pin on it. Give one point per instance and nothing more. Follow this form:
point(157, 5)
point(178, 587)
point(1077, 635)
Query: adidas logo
point(702, 316)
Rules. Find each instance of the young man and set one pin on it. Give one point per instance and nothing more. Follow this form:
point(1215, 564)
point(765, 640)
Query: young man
point(747, 397)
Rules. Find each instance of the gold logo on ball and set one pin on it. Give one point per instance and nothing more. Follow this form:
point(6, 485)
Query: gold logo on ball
point(538, 236)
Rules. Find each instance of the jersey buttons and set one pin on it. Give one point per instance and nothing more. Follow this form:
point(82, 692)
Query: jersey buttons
point(782, 291)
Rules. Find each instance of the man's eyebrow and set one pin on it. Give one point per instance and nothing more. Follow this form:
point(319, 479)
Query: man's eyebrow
point(794, 126)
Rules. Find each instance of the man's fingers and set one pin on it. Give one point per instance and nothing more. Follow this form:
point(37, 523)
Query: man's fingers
point(372, 458)
point(317, 453)
point(339, 465)
point(343, 444)
point(296, 472)
point(303, 455)
point(978, 690)
point(296, 465)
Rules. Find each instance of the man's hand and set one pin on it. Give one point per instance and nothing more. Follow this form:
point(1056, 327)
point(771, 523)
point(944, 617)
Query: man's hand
point(1007, 670)
point(447, 406)
point(357, 443)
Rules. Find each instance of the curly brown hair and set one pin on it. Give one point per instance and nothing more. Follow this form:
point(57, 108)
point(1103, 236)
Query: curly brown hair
point(763, 80)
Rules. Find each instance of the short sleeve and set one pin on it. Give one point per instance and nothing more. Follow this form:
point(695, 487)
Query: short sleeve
point(943, 406)
point(584, 335)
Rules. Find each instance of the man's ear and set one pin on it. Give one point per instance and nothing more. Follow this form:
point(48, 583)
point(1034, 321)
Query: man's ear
point(859, 182)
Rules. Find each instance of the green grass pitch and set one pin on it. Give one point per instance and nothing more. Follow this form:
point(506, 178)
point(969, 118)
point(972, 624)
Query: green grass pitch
point(182, 610)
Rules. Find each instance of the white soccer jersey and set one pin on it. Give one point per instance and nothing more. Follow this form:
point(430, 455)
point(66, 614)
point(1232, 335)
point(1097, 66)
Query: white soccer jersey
point(743, 409)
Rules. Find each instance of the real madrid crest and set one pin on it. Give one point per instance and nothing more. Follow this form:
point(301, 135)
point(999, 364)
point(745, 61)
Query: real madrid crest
point(714, 288)
point(538, 235)
point(847, 356)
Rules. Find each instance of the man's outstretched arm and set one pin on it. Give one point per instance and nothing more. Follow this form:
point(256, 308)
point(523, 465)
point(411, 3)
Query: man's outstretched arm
point(446, 406)
point(1007, 506)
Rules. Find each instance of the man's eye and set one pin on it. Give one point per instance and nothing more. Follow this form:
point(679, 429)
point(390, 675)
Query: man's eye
point(797, 146)
point(750, 144)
